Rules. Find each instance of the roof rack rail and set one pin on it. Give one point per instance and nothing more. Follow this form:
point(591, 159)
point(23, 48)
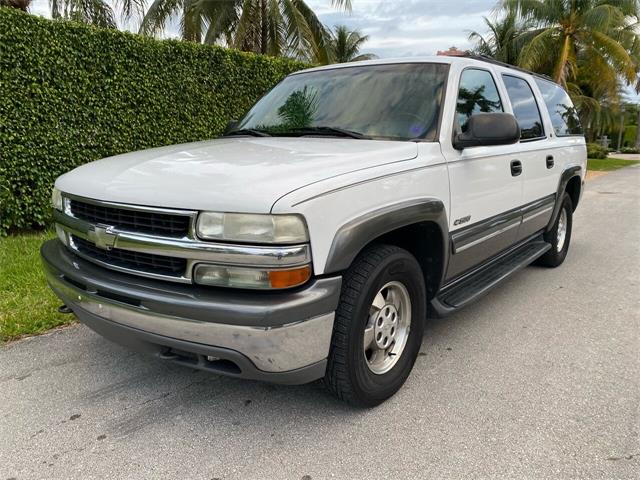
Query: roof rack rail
point(484, 58)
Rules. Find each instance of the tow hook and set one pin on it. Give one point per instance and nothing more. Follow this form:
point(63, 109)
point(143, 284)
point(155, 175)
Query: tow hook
point(64, 309)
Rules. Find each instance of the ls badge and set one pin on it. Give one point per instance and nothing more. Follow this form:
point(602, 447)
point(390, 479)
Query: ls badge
point(102, 236)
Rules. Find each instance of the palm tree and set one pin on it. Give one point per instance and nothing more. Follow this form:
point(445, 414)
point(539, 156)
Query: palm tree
point(272, 27)
point(345, 44)
point(191, 19)
point(570, 35)
point(96, 12)
point(504, 41)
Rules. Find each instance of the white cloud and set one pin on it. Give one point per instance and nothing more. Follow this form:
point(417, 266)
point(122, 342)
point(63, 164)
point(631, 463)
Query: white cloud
point(401, 28)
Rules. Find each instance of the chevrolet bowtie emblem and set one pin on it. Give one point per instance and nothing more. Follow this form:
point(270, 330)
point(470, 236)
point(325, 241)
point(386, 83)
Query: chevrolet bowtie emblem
point(102, 236)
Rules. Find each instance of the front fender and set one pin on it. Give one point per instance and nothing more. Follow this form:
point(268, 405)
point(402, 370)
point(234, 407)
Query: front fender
point(353, 236)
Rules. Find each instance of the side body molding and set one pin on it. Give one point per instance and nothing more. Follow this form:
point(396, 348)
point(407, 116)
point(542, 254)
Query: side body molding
point(353, 236)
point(567, 175)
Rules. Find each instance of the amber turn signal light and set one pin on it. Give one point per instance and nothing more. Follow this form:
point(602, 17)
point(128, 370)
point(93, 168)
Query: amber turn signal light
point(289, 278)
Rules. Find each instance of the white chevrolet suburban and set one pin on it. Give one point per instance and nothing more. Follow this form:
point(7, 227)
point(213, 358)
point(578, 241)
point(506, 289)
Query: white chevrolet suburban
point(315, 237)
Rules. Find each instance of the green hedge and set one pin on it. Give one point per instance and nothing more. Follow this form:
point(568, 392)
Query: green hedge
point(630, 133)
point(595, 150)
point(72, 93)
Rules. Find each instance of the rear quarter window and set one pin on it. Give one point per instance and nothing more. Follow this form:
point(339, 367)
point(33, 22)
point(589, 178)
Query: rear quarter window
point(564, 116)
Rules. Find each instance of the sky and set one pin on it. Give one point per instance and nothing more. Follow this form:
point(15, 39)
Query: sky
point(397, 28)
point(402, 28)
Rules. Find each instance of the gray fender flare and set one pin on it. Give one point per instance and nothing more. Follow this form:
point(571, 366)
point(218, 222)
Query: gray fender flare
point(566, 175)
point(354, 235)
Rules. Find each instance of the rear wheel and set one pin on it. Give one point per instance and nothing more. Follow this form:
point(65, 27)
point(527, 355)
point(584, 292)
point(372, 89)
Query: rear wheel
point(378, 327)
point(559, 236)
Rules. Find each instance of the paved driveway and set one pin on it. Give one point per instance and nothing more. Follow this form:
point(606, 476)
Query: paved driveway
point(538, 380)
point(625, 156)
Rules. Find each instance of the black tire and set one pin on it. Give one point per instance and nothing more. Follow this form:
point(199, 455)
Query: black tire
point(348, 375)
point(554, 257)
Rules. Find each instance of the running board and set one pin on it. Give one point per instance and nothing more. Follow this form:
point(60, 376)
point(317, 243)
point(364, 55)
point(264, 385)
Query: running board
point(469, 289)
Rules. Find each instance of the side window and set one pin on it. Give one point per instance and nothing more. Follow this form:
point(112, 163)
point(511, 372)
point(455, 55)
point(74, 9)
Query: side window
point(564, 116)
point(477, 94)
point(525, 107)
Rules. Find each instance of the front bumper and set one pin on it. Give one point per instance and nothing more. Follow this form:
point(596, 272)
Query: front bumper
point(282, 337)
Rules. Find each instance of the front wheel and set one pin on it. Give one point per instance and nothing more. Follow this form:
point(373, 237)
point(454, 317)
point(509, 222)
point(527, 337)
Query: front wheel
point(559, 236)
point(378, 327)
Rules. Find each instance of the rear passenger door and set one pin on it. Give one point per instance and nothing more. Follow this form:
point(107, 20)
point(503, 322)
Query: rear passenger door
point(485, 190)
point(539, 172)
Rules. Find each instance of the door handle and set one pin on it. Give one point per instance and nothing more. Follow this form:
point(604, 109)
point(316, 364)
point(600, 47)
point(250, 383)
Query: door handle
point(550, 161)
point(516, 168)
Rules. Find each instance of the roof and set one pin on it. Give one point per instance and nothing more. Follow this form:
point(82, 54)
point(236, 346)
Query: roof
point(443, 59)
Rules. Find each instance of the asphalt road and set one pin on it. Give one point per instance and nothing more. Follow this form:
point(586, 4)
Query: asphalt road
point(540, 379)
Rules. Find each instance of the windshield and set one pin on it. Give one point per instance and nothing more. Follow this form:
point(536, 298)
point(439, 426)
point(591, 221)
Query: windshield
point(394, 102)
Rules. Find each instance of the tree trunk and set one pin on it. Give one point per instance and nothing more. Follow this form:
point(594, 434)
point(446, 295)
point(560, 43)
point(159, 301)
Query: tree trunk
point(263, 27)
point(192, 31)
point(561, 67)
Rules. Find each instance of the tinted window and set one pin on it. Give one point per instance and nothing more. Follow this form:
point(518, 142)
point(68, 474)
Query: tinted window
point(477, 94)
point(397, 102)
point(525, 107)
point(564, 116)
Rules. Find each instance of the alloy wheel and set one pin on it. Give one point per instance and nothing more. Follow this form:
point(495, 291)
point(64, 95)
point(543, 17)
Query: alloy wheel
point(387, 329)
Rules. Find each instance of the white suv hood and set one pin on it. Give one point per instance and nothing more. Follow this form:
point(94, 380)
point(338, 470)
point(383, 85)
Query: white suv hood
point(238, 174)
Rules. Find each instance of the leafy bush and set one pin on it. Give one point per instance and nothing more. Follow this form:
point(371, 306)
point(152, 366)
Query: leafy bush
point(73, 93)
point(630, 150)
point(595, 150)
point(630, 133)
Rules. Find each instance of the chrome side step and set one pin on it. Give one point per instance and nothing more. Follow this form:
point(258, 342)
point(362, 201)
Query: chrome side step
point(471, 288)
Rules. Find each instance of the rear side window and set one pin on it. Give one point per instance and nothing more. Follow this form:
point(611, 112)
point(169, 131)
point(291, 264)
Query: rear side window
point(477, 94)
point(564, 116)
point(525, 107)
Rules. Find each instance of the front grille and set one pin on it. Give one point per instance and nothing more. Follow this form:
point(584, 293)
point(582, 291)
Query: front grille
point(141, 262)
point(137, 221)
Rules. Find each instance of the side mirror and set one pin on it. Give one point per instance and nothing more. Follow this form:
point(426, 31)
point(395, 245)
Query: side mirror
point(231, 125)
point(486, 129)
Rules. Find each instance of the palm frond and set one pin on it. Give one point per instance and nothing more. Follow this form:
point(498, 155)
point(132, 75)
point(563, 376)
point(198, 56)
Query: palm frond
point(158, 14)
point(343, 4)
point(96, 12)
point(536, 52)
point(221, 18)
point(345, 45)
point(315, 42)
point(616, 54)
point(602, 17)
point(132, 8)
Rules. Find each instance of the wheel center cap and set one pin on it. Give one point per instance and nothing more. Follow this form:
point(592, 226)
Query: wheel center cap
point(386, 326)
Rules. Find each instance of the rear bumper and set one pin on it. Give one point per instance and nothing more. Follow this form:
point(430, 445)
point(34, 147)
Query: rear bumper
point(282, 337)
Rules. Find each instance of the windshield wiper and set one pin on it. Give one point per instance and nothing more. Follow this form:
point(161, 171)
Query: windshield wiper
point(322, 130)
point(247, 131)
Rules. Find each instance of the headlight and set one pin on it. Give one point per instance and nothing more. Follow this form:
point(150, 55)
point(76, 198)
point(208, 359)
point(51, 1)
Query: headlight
point(252, 228)
point(243, 277)
point(56, 199)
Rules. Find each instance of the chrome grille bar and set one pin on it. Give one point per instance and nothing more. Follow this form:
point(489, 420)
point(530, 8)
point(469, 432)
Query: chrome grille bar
point(188, 248)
